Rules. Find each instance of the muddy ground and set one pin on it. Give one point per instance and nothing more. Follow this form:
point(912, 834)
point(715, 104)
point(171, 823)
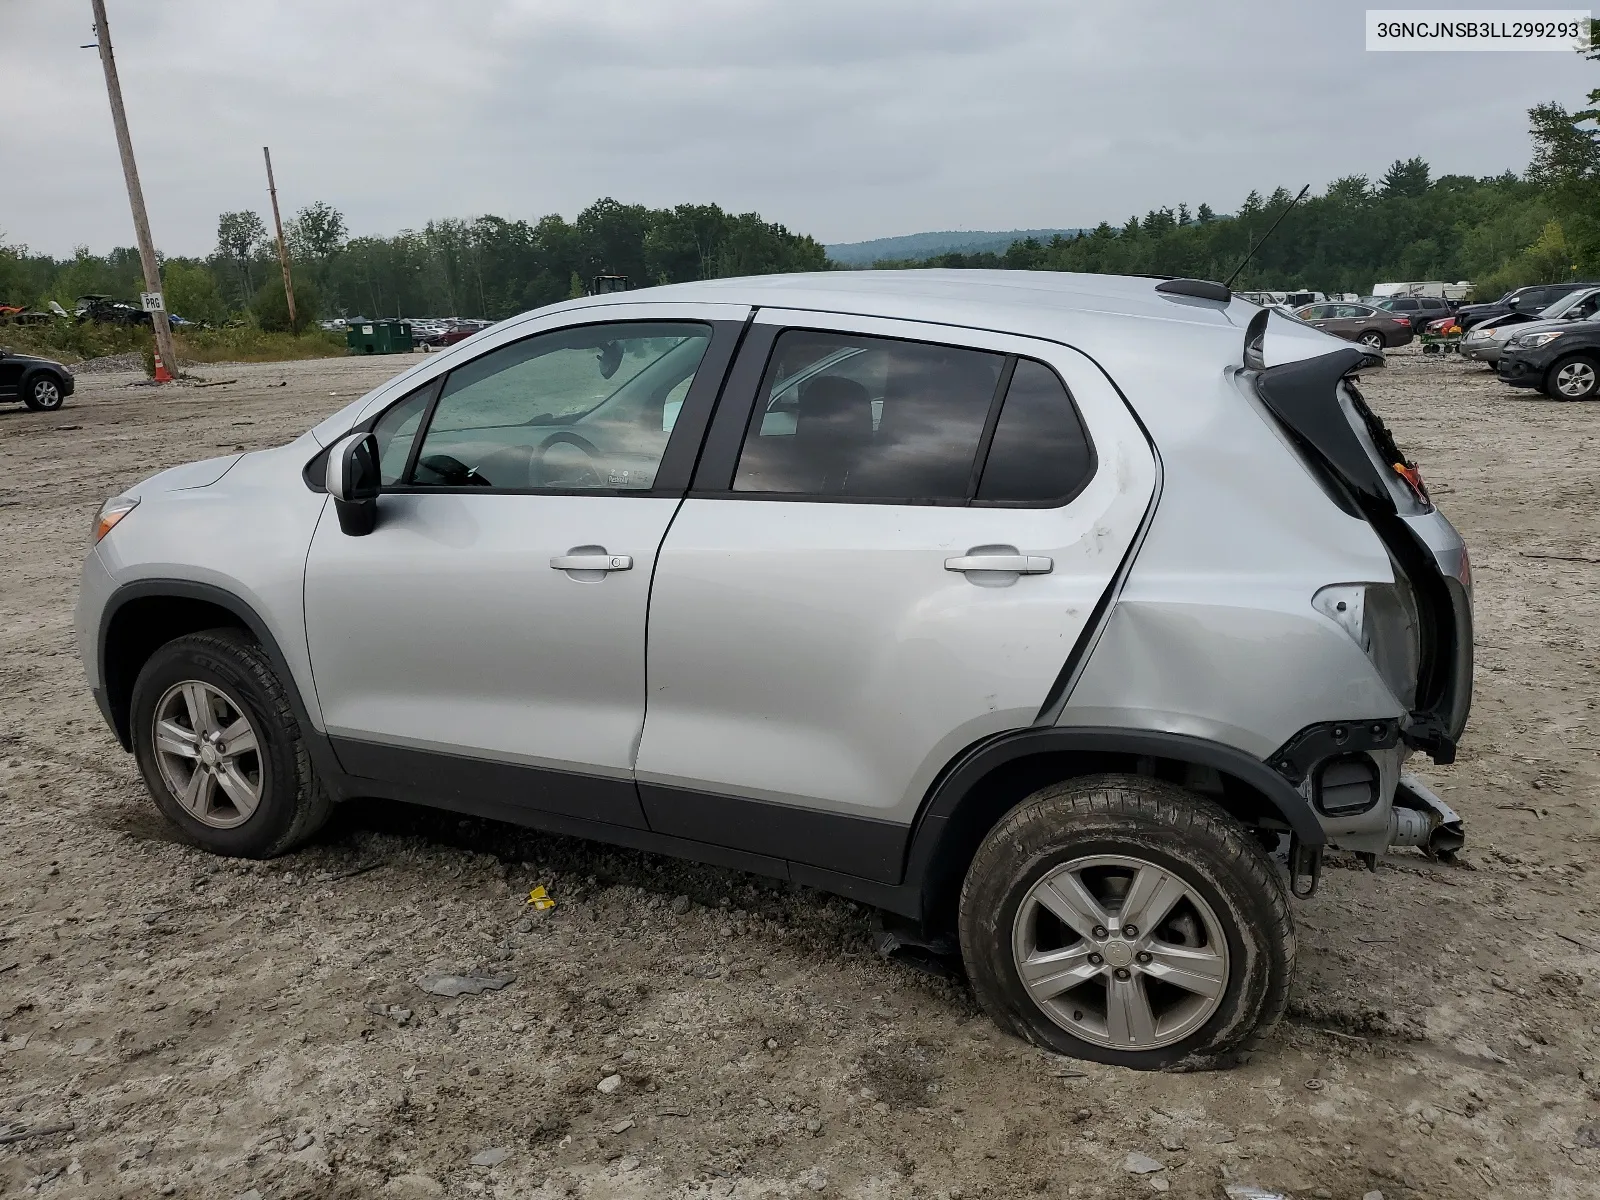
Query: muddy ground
point(213, 1028)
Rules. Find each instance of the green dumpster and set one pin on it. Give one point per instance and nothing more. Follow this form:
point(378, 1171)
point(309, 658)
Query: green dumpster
point(379, 337)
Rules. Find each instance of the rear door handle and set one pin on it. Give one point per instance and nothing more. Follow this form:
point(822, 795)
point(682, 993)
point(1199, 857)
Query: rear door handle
point(1020, 564)
point(592, 562)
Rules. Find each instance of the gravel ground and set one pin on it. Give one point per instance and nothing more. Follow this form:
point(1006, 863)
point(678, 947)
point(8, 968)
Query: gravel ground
point(211, 1028)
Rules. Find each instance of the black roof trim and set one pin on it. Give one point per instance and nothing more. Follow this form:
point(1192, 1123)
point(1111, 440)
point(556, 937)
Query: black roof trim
point(1200, 289)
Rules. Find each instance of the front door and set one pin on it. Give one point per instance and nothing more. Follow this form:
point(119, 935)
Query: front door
point(487, 638)
point(897, 534)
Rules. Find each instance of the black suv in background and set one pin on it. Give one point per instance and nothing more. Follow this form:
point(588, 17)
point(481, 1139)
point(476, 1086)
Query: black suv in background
point(1564, 364)
point(40, 383)
point(1525, 300)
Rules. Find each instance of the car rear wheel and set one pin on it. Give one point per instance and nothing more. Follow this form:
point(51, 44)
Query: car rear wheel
point(1575, 378)
point(43, 394)
point(220, 749)
point(1125, 920)
point(1372, 338)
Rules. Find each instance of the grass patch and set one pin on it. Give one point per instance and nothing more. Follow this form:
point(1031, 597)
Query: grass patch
point(74, 341)
point(246, 344)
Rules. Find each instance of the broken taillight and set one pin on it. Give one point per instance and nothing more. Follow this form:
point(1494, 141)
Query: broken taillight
point(1413, 477)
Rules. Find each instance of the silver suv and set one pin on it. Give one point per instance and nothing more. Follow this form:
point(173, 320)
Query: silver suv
point(1036, 610)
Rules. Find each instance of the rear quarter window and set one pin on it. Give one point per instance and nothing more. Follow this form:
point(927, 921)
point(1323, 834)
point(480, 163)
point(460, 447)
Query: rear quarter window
point(1041, 454)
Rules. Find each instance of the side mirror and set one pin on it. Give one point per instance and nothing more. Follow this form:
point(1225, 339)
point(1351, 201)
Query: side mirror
point(353, 481)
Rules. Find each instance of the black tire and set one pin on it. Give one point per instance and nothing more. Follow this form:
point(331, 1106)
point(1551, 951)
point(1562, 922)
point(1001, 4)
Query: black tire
point(1178, 831)
point(293, 804)
point(43, 393)
point(1373, 338)
point(1593, 389)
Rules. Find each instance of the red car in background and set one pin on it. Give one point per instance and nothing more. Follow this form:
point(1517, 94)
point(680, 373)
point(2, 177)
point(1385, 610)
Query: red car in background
point(445, 333)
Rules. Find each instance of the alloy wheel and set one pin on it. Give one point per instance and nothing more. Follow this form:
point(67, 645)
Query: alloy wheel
point(1120, 952)
point(208, 752)
point(1576, 379)
point(46, 394)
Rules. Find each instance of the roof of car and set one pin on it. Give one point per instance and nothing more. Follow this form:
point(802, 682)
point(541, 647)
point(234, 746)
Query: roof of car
point(916, 294)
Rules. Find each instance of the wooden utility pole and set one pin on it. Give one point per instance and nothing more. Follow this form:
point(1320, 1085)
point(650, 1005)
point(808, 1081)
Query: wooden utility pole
point(141, 222)
point(283, 250)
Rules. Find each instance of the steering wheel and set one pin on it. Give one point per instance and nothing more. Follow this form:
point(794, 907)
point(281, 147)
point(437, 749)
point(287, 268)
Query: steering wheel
point(537, 467)
point(452, 472)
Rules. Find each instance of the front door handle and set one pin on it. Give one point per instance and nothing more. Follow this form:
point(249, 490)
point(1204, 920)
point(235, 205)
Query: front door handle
point(592, 562)
point(1020, 564)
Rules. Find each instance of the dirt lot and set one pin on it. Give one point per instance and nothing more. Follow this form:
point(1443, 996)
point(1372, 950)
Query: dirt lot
point(214, 1028)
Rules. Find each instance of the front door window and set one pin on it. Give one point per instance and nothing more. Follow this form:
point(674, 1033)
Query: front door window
point(587, 409)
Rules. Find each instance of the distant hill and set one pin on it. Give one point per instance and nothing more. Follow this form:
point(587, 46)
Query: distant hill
point(926, 245)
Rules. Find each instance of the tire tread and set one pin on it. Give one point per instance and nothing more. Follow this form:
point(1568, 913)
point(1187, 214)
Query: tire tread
point(1142, 801)
point(235, 650)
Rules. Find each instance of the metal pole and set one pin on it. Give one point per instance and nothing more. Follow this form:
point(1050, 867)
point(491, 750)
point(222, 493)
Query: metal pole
point(283, 250)
point(141, 222)
point(1266, 235)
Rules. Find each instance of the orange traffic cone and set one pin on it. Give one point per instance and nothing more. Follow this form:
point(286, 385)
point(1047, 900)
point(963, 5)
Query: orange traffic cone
point(162, 374)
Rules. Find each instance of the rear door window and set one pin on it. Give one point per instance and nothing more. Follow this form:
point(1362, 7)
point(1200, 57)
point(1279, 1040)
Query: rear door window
point(842, 415)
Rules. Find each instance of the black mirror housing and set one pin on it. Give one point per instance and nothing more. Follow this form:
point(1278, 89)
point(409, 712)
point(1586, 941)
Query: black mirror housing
point(353, 482)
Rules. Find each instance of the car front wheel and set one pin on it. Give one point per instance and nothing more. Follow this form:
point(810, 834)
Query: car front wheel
point(44, 394)
point(1125, 920)
point(220, 749)
point(1575, 378)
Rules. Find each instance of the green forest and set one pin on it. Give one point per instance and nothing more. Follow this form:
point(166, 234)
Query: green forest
point(490, 266)
point(1499, 232)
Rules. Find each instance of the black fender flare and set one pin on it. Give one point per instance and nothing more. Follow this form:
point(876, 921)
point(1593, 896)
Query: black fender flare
point(189, 589)
point(959, 782)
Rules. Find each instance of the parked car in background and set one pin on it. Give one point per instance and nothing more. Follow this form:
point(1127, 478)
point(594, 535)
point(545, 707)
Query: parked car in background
point(1455, 292)
point(1486, 342)
point(1533, 299)
point(913, 668)
point(1563, 363)
point(108, 310)
point(1359, 323)
point(41, 383)
point(1418, 310)
point(449, 333)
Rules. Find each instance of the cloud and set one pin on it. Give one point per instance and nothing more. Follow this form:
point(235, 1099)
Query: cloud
point(843, 118)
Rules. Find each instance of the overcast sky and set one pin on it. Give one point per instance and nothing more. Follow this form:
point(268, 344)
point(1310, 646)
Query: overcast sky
point(845, 119)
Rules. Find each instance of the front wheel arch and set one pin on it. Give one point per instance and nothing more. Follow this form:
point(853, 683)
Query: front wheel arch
point(142, 616)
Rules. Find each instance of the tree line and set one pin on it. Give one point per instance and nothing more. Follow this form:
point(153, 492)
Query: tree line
point(488, 266)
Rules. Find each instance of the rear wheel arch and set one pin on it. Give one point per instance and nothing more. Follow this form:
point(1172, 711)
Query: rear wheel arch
point(992, 778)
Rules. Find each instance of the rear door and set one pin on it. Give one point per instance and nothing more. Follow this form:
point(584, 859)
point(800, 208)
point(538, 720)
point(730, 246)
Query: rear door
point(896, 536)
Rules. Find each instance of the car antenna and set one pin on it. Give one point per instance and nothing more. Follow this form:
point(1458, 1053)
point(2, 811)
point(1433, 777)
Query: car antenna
point(1228, 283)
